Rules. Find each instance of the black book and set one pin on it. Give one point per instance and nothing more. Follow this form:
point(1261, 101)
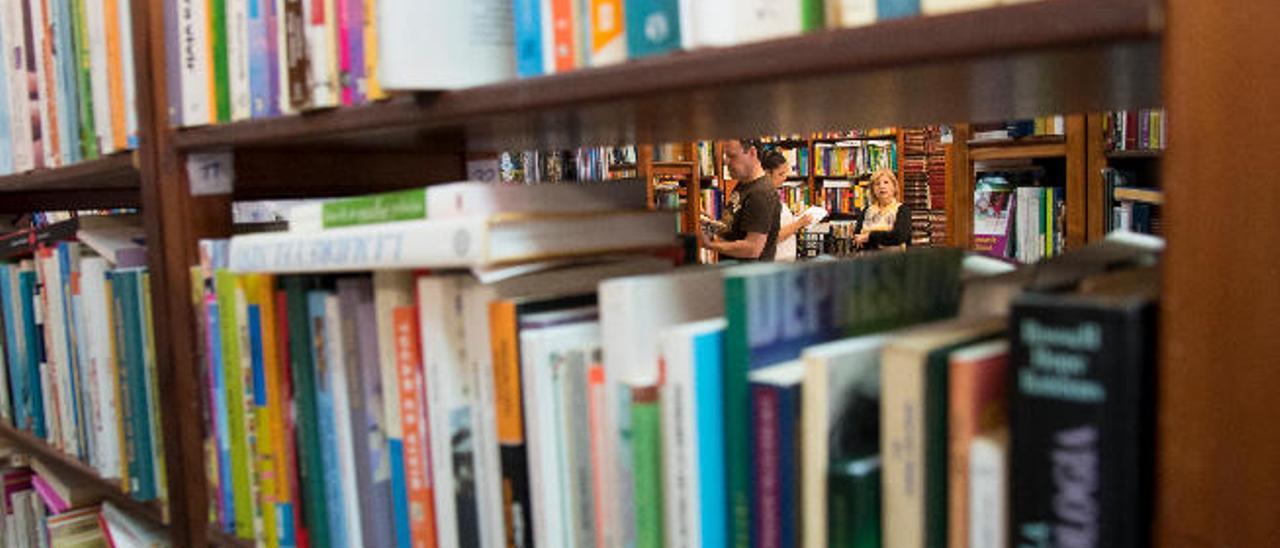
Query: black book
point(1082, 411)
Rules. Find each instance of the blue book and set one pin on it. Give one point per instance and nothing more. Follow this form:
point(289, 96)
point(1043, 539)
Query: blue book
point(708, 349)
point(273, 21)
point(653, 27)
point(259, 62)
point(126, 285)
point(896, 9)
point(776, 445)
point(74, 373)
point(34, 349)
point(218, 395)
point(15, 347)
point(530, 57)
point(60, 16)
point(322, 359)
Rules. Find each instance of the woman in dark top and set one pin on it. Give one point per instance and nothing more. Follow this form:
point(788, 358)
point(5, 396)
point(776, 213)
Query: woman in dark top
point(886, 222)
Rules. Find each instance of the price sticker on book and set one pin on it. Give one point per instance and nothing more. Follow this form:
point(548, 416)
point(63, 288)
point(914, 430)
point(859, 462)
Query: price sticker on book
point(211, 173)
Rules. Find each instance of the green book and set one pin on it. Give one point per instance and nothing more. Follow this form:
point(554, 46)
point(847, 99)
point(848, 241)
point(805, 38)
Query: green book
point(221, 68)
point(646, 445)
point(813, 15)
point(311, 473)
point(153, 391)
point(230, 303)
point(853, 507)
point(128, 411)
point(84, 81)
point(402, 205)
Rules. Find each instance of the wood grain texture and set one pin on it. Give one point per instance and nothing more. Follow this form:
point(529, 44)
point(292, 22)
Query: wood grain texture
point(114, 172)
point(1077, 164)
point(960, 188)
point(1014, 61)
point(1017, 151)
point(1095, 185)
point(1219, 448)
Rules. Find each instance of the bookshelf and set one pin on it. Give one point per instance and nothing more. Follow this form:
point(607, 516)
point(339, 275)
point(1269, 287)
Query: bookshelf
point(1217, 453)
point(1146, 162)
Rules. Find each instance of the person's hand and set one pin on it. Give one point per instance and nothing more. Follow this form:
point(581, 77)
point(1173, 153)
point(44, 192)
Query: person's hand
point(807, 219)
point(704, 241)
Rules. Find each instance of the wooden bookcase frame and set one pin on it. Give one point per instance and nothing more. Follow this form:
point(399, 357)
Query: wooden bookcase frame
point(1216, 481)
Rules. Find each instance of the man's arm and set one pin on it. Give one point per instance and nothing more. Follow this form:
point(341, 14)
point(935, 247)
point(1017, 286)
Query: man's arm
point(746, 248)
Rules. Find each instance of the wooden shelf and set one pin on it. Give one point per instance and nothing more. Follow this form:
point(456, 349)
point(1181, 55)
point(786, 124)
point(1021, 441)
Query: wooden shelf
point(985, 152)
point(1125, 154)
point(82, 473)
point(1144, 195)
point(111, 181)
point(221, 539)
point(1049, 56)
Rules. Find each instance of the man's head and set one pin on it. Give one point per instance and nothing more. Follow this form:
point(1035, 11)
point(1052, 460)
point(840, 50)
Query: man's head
point(743, 159)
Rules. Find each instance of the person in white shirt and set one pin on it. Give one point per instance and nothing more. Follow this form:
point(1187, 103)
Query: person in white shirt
point(776, 166)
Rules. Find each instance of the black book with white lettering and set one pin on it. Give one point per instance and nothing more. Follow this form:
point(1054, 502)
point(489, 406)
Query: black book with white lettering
point(1082, 414)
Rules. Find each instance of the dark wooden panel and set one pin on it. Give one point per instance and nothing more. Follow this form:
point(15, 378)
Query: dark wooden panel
point(1219, 447)
point(1077, 165)
point(960, 188)
point(115, 172)
point(63, 200)
point(1007, 62)
point(1095, 188)
point(290, 173)
point(84, 476)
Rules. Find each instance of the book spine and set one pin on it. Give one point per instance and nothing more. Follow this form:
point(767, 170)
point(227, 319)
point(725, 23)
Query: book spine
point(238, 53)
point(371, 55)
point(343, 29)
point(320, 54)
point(68, 101)
point(607, 34)
point(27, 299)
point(322, 360)
point(259, 57)
point(647, 447)
point(987, 500)
point(33, 31)
point(196, 62)
point(528, 37)
point(510, 423)
point(128, 408)
point(789, 475)
point(766, 530)
point(262, 440)
point(736, 409)
point(392, 289)
point(574, 397)
point(49, 370)
point(291, 530)
point(159, 471)
point(234, 330)
point(386, 245)
point(367, 415)
point(297, 55)
point(565, 45)
point(130, 74)
point(51, 95)
point(340, 355)
point(89, 146)
point(6, 99)
point(902, 443)
point(20, 105)
point(176, 37)
point(713, 506)
point(220, 76)
point(276, 74)
point(310, 469)
point(115, 74)
point(357, 77)
point(95, 19)
point(15, 345)
point(417, 430)
point(854, 493)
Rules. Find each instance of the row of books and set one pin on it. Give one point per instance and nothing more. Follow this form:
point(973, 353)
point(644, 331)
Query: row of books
point(616, 402)
point(1133, 207)
point(44, 506)
point(1044, 126)
point(79, 363)
point(797, 158)
point(796, 198)
point(1142, 129)
point(844, 197)
point(854, 158)
point(1024, 223)
point(67, 82)
point(583, 164)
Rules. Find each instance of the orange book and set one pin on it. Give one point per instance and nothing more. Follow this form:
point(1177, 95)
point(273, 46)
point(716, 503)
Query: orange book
point(51, 86)
point(978, 388)
point(564, 31)
point(115, 76)
point(413, 415)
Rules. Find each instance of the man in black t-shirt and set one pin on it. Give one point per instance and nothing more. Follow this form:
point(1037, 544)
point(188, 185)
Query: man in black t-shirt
point(754, 211)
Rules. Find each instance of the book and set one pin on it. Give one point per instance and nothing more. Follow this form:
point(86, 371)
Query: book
point(447, 45)
point(61, 17)
point(56, 483)
point(474, 241)
point(122, 245)
point(340, 355)
point(6, 104)
point(309, 465)
point(115, 72)
point(326, 355)
point(20, 105)
point(914, 427)
point(321, 68)
point(776, 398)
point(125, 531)
point(841, 424)
point(607, 33)
point(655, 27)
point(296, 58)
point(96, 27)
point(527, 20)
point(634, 311)
point(99, 359)
point(988, 502)
point(646, 428)
point(457, 200)
point(852, 13)
point(775, 311)
point(853, 513)
point(978, 379)
point(126, 287)
point(1075, 443)
point(694, 503)
point(258, 57)
point(260, 309)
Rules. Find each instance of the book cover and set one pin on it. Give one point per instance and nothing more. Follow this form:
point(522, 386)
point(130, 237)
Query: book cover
point(1081, 437)
point(311, 472)
point(235, 361)
point(325, 355)
point(321, 55)
point(527, 20)
point(775, 311)
point(646, 444)
point(238, 59)
point(115, 72)
point(393, 289)
point(775, 418)
point(992, 207)
point(259, 57)
point(976, 399)
point(219, 45)
point(415, 417)
point(297, 57)
point(841, 424)
point(444, 45)
point(262, 356)
point(608, 37)
point(99, 71)
point(195, 64)
point(341, 358)
point(655, 27)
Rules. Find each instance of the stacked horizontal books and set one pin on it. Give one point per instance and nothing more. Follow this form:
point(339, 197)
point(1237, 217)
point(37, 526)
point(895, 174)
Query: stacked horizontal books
point(45, 506)
point(67, 87)
point(79, 365)
point(615, 401)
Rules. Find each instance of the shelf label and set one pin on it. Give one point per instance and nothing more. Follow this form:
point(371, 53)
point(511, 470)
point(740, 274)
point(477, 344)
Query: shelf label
point(211, 173)
point(483, 170)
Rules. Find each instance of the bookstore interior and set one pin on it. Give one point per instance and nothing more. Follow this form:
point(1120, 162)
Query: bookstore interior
point(483, 273)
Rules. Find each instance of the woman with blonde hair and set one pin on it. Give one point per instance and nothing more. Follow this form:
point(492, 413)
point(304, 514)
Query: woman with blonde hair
point(886, 221)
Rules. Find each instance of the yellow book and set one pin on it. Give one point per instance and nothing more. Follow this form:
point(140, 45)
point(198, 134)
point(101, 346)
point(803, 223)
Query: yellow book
point(115, 76)
point(262, 431)
point(371, 50)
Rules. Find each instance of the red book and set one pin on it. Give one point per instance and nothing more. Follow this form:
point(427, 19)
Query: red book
point(564, 32)
point(413, 415)
point(977, 392)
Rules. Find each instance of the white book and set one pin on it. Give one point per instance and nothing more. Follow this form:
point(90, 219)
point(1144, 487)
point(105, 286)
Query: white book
point(837, 374)
point(337, 355)
point(128, 67)
point(238, 59)
point(548, 38)
point(56, 356)
point(545, 354)
point(466, 199)
point(282, 61)
point(96, 19)
point(44, 146)
point(99, 361)
point(633, 313)
point(464, 242)
point(451, 402)
point(392, 289)
point(87, 394)
point(20, 104)
point(603, 17)
point(688, 24)
point(324, 82)
point(447, 44)
point(937, 7)
point(988, 485)
point(193, 40)
point(855, 13)
point(689, 488)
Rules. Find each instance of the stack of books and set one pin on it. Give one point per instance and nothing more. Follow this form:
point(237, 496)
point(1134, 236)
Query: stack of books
point(1142, 129)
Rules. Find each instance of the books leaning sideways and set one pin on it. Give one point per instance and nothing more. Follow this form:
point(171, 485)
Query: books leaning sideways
point(458, 225)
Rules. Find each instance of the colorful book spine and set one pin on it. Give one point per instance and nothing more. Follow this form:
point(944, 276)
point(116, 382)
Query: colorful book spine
point(160, 473)
point(96, 20)
point(116, 74)
point(357, 81)
point(235, 351)
point(528, 38)
point(646, 445)
point(607, 35)
point(344, 29)
point(373, 478)
point(36, 395)
point(6, 129)
point(413, 417)
point(238, 54)
point(32, 31)
point(51, 94)
point(565, 39)
point(218, 414)
point(298, 56)
point(274, 62)
point(776, 441)
point(291, 531)
point(15, 345)
point(68, 101)
point(130, 81)
point(505, 345)
point(220, 76)
point(263, 360)
point(259, 57)
point(393, 289)
point(311, 472)
point(89, 146)
point(126, 285)
point(322, 359)
point(374, 85)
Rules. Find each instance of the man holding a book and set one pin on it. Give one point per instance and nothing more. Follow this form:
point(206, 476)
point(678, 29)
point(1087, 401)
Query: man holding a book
point(753, 212)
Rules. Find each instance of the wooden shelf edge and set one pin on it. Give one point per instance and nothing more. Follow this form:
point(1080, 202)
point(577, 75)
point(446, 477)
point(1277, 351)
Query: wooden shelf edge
point(1034, 150)
point(118, 171)
point(221, 539)
point(1125, 154)
point(83, 473)
point(1146, 196)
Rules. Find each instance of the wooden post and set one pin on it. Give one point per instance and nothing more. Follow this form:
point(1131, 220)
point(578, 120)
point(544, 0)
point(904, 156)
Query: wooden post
point(644, 170)
point(1077, 165)
point(1095, 161)
point(959, 189)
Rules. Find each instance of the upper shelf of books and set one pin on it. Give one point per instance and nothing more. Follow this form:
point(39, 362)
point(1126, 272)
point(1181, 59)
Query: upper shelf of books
point(1007, 61)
